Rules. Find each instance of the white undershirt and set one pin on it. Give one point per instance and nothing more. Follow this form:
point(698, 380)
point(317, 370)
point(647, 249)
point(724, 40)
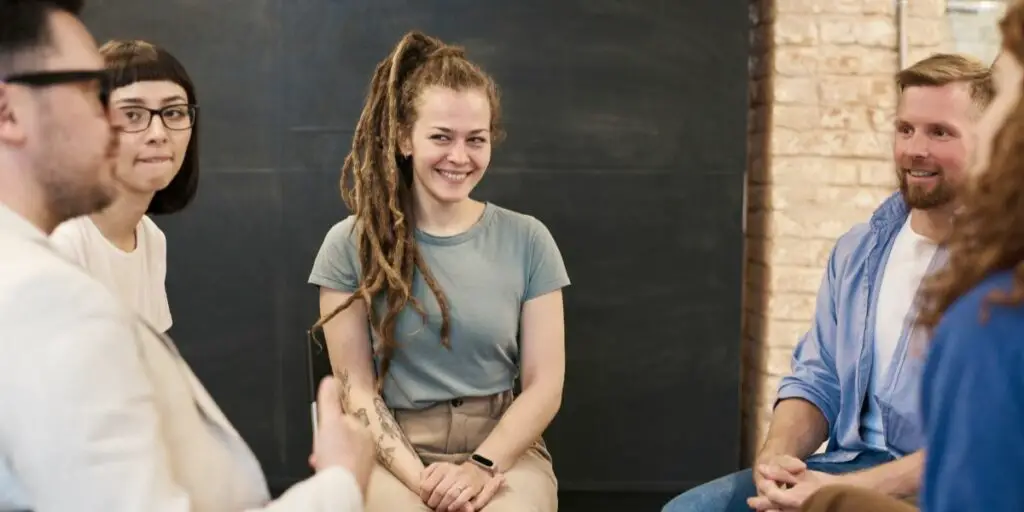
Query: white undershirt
point(908, 263)
point(136, 277)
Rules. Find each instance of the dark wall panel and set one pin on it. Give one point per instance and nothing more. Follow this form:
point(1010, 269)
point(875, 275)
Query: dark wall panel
point(627, 125)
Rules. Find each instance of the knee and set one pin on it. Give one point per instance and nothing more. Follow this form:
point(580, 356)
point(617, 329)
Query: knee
point(681, 503)
point(727, 493)
point(523, 500)
point(511, 506)
point(387, 493)
point(518, 506)
point(699, 498)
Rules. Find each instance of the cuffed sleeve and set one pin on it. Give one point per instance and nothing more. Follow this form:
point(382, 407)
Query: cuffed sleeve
point(814, 377)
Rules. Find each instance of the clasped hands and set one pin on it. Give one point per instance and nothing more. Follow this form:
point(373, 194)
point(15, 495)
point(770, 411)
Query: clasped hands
point(784, 483)
point(466, 487)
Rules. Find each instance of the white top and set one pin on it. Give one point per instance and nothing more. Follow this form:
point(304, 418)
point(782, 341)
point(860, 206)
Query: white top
point(136, 277)
point(908, 263)
point(98, 411)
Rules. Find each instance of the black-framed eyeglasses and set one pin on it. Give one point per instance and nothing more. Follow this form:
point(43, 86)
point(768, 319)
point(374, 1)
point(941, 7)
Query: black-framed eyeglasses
point(136, 118)
point(50, 78)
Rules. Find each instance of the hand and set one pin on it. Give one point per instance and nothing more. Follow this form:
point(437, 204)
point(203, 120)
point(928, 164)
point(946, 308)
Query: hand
point(340, 440)
point(431, 477)
point(447, 487)
point(787, 489)
point(789, 464)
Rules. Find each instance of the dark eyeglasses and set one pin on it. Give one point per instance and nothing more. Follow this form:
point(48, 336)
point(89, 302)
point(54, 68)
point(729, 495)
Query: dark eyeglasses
point(50, 78)
point(135, 119)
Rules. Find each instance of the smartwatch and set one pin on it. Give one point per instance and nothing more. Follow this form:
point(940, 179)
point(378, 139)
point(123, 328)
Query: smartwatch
point(484, 463)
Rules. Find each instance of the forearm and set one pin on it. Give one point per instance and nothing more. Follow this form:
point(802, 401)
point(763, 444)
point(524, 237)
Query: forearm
point(521, 425)
point(900, 478)
point(797, 429)
point(394, 451)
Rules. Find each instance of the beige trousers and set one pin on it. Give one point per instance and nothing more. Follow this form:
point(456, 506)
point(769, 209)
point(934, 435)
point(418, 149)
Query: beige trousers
point(450, 432)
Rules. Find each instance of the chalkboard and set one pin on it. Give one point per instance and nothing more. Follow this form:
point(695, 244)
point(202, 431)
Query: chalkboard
point(627, 137)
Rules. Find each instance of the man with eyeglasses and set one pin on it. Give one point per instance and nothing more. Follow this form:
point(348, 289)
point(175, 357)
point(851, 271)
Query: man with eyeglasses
point(98, 411)
point(54, 118)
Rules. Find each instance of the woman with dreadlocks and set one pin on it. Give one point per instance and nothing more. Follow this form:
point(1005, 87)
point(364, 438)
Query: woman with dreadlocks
point(972, 393)
point(466, 297)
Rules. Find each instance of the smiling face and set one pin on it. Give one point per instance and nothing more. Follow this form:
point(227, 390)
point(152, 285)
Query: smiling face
point(935, 133)
point(450, 143)
point(149, 159)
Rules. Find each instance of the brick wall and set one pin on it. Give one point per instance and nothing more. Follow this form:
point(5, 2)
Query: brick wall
point(821, 102)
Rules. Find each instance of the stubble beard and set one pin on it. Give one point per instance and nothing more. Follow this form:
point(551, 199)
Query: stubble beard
point(918, 197)
point(67, 198)
point(72, 182)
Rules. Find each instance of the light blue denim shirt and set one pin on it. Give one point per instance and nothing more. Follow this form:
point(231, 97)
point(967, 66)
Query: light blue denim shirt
point(832, 362)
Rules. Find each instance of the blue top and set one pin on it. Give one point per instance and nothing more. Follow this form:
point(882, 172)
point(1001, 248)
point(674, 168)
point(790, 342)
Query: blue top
point(973, 406)
point(832, 362)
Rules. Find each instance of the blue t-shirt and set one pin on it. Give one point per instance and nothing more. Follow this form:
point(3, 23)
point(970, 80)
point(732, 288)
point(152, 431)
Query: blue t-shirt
point(973, 406)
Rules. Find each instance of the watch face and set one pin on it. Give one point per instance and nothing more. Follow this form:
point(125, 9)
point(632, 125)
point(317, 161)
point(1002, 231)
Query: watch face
point(482, 460)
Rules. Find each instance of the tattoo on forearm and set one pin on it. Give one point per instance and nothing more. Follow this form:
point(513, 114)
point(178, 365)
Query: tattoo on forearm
point(362, 417)
point(408, 445)
point(388, 424)
point(386, 456)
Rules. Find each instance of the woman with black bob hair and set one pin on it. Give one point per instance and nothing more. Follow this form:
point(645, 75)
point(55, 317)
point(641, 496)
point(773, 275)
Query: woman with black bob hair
point(153, 101)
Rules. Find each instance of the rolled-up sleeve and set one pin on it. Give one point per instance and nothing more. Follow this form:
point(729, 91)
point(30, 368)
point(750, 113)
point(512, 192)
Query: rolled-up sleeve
point(814, 377)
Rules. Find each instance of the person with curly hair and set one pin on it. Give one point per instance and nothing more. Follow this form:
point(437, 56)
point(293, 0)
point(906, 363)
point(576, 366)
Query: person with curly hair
point(972, 321)
point(854, 383)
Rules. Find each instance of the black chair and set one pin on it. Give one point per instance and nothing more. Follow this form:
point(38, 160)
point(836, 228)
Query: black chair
point(318, 366)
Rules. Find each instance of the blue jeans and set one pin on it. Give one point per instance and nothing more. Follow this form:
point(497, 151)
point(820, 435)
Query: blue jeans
point(730, 493)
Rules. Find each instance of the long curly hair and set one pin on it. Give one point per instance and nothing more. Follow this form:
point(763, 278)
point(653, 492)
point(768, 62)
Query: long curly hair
point(988, 234)
point(376, 181)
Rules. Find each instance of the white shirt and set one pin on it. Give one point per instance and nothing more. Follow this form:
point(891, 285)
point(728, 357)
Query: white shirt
point(136, 277)
point(98, 411)
point(908, 263)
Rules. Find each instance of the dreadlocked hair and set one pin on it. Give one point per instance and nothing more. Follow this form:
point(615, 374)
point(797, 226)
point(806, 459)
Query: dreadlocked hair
point(376, 182)
point(989, 231)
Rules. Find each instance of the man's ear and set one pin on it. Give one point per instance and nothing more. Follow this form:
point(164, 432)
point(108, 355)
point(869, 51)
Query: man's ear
point(11, 130)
